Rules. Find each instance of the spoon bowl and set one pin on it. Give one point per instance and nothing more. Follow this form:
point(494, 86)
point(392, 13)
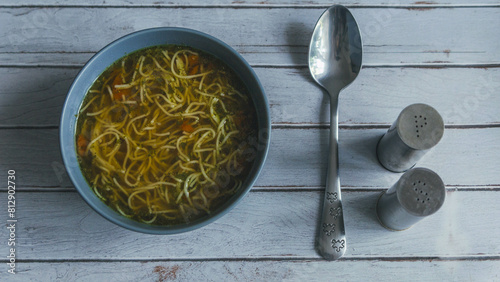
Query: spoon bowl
point(335, 58)
point(335, 51)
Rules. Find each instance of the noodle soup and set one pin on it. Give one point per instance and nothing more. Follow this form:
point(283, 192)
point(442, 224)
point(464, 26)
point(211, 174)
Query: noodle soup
point(165, 135)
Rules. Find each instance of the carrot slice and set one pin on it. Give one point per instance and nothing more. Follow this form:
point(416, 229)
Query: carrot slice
point(81, 145)
point(193, 60)
point(187, 127)
point(194, 70)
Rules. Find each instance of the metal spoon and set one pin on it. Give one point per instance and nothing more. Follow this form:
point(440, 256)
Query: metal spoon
point(335, 55)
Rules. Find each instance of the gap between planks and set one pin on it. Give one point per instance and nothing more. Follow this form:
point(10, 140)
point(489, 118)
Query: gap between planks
point(477, 257)
point(288, 188)
point(236, 5)
point(437, 65)
point(360, 126)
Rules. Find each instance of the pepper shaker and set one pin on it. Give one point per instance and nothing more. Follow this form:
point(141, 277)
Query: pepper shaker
point(418, 128)
point(419, 193)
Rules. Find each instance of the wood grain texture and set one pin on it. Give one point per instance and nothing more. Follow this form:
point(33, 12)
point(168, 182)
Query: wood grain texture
point(444, 53)
point(293, 97)
point(344, 270)
point(61, 226)
point(296, 158)
point(390, 36)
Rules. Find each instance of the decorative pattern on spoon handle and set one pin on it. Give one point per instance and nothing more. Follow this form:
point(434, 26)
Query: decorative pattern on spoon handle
point(332, 227)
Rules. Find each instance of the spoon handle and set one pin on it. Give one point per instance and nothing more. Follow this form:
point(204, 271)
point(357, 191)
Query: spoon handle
point(331, 241)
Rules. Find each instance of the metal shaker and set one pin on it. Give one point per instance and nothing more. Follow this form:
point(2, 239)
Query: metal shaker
point(418, 128)
point(419, 192)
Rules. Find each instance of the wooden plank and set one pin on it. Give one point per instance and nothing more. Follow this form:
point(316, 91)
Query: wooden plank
point(45, 59)
point(33, 96)
point(463, 157)
point(280, 36)
point(296, 158)
point(343, 270)
point(35, 155)
point(256, 3)
point(377, 96)
point(60, 226)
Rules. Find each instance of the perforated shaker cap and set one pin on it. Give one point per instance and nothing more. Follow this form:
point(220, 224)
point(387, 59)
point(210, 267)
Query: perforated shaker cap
point(421, 192)
point(420, 126)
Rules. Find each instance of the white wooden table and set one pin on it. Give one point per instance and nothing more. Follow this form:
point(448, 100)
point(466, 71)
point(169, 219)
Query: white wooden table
point(444, 53)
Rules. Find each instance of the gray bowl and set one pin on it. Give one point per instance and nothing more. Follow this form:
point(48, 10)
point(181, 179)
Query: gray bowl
point(128, 44)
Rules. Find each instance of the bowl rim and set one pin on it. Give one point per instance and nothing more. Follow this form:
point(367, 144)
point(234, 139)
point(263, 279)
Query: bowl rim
point(76, 175)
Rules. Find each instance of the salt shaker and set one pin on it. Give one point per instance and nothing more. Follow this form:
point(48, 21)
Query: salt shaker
point(418, 128)
point(419, 193)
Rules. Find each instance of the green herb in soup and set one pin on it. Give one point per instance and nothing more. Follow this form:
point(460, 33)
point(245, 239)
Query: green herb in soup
point(164, 135)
